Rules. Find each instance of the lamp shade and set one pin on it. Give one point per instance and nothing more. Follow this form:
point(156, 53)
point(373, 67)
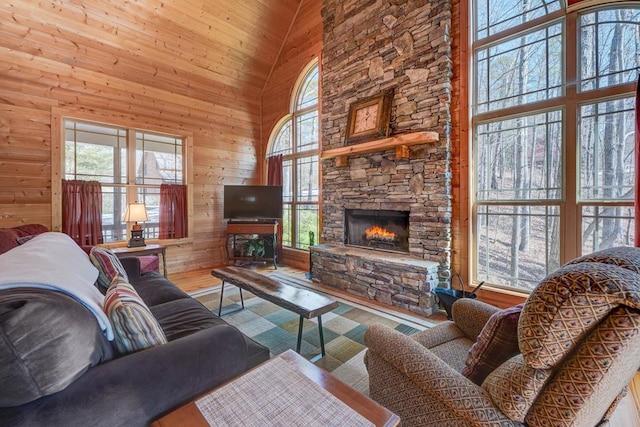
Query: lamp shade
point(136, 212)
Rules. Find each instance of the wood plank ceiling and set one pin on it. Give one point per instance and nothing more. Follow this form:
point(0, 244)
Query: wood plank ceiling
point(200, 48)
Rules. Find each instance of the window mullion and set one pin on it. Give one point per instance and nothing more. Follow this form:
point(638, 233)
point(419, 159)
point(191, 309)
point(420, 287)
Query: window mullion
point(519, 110)
point(294, 180)
point(131, 189)
point(569, 216)
point(519, 30)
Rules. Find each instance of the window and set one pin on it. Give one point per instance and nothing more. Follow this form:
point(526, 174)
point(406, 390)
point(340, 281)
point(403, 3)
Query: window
point(130, 165)
point(296, 137)
point(553, 135)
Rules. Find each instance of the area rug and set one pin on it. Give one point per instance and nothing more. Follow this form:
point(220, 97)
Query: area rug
point(277, 329)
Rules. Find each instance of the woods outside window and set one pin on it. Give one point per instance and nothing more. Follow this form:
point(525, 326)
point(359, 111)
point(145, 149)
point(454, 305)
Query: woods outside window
point(296, 137)
point(553, 135)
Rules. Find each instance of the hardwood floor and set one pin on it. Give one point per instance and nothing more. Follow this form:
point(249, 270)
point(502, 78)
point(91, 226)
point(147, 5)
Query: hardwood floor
point(194, 280)
point(627, 413)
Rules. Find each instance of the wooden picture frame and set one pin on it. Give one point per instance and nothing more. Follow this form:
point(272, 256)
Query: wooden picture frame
point(369, 118)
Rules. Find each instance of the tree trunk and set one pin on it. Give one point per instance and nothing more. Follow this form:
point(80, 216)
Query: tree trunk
point(613, 133)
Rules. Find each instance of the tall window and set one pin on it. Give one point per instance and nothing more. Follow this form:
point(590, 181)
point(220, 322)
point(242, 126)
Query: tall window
point(296, 138)
point(130, 165)
point(553, 135)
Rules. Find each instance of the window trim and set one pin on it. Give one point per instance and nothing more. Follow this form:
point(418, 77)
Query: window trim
point(569, 102)
point(295, 154)
point(59, 115)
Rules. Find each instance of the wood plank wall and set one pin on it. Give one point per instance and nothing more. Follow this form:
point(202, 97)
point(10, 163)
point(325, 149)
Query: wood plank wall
point(179, 66)
point(303, 44)
point(459, 138)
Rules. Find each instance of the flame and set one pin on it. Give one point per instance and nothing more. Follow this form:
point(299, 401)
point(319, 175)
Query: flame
point(379, 233)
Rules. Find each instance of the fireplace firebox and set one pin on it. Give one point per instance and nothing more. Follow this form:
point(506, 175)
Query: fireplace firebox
point(386, 230)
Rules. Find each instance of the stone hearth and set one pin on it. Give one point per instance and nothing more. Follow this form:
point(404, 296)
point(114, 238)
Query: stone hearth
point(388, 278)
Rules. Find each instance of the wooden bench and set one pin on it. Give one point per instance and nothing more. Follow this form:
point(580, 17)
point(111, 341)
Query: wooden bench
point(304, 302)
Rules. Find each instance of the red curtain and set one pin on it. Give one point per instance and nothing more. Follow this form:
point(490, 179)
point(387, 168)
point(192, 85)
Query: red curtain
point(82, 211)
point(274, 170)
point(637, 187)
point(173, 211)
point(274, 177)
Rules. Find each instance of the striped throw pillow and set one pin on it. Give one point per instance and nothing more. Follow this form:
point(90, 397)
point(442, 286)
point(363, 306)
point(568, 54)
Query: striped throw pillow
point(134, 326)
point(108, 265)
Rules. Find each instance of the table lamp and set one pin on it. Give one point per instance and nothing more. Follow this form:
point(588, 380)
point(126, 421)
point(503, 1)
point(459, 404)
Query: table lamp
point(136, 212)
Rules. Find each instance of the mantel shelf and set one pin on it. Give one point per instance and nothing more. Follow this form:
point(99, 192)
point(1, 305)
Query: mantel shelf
point(399, 142)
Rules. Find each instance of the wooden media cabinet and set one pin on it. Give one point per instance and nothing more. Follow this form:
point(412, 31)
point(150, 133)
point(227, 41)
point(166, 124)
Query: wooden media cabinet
point(241, 233)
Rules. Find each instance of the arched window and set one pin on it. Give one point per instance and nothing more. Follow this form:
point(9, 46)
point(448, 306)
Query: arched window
point(553, 135)
point(296, 137)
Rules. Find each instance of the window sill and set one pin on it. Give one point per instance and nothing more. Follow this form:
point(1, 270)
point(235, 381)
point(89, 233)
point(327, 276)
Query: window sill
point(499, 297)
point(163, 242)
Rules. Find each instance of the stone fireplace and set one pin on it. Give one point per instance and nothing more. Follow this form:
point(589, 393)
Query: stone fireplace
point(377, 229)
point(371, 46)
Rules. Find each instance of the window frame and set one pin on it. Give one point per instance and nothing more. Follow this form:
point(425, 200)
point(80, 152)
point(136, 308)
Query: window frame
point(570, 102)
point(59, 115)
point(294, 156)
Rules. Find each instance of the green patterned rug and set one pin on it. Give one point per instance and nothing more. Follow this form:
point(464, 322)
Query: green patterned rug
point(277, 329)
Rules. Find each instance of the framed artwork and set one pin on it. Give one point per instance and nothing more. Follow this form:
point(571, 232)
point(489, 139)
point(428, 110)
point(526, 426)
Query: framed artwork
point(369, 118)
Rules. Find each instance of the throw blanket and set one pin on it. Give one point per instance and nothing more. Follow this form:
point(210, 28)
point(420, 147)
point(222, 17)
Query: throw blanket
point(53, 261)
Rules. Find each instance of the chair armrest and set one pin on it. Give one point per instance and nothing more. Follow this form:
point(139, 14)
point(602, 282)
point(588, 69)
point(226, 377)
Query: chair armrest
point(442, 385)
point(439, 334)
point(470, 316)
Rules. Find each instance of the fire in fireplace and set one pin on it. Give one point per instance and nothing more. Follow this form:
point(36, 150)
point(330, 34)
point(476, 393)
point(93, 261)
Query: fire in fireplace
point(377, 229)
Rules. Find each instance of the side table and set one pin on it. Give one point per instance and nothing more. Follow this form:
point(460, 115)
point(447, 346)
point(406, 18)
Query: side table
point(154, 249)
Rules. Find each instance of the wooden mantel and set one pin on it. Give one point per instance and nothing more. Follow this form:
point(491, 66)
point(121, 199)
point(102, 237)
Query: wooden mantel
point(400, 142)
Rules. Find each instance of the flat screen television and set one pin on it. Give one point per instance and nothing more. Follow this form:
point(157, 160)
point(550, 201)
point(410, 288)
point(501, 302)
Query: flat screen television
point(249, 202)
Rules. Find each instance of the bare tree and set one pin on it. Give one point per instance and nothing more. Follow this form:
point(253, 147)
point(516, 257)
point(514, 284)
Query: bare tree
point(613, 173)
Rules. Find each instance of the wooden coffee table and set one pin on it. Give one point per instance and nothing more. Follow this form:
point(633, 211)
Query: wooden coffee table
point(314, 377)
point(304, 302)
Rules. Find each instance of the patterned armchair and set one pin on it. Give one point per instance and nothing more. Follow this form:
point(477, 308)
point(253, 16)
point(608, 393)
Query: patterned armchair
point(578, 336)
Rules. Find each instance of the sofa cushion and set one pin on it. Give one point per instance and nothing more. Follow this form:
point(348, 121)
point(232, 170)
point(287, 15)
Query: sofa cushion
point(182, 317)
point(108, 265)
point(8, 239)
point(156, 289)
point(568, 304)
point(30, 229)
point(186, 316)
point(66, 335)
point(24, 239)
point(134, 326)
point(496, 343)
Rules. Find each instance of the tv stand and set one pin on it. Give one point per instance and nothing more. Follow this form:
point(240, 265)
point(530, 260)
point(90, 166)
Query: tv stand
point(241, 232)
point(252, 221)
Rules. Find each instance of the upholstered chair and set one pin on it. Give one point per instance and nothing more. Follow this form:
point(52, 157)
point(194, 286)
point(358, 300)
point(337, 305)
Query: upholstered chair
point(563, 358)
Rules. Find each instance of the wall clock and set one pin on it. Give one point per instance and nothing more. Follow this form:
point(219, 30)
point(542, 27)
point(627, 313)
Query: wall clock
point(369, 118)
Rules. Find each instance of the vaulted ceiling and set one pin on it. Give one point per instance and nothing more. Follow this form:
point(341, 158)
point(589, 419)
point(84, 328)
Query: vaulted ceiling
point(201, 48)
